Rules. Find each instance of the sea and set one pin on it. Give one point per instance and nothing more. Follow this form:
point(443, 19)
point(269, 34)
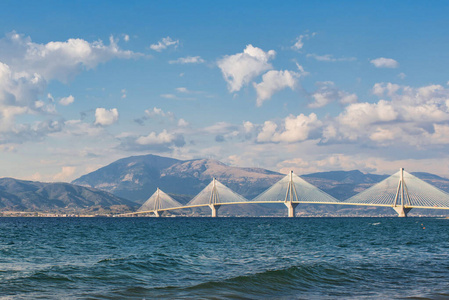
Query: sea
point(224, 258)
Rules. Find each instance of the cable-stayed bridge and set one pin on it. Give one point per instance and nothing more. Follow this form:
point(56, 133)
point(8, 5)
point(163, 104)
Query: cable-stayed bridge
point(401, 191)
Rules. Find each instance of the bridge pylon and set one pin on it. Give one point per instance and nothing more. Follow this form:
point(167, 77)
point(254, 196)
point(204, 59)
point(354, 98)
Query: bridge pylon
point(291, 196)
point(158, 203)
point(214, 199)
point(402, 197)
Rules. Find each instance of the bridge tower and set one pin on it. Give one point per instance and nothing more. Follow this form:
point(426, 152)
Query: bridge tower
point(291, 196)
point(402, 197)
point(157, 204)
point(214, 199)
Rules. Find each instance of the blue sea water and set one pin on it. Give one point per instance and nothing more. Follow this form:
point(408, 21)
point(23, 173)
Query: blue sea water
point(224, 258)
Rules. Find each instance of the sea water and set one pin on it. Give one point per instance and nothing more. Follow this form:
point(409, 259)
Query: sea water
point(224, 258)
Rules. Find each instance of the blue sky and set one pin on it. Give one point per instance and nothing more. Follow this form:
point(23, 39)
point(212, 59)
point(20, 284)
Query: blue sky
point(302, 85)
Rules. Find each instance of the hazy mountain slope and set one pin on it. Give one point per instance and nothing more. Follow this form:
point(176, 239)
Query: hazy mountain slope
point(37, 196)
point(192, 176)
point(135, 177)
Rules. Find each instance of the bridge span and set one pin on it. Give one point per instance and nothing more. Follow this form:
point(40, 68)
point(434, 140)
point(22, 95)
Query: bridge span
point(401, 191)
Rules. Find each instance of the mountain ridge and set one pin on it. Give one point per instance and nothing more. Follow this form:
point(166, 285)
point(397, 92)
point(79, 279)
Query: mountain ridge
point(24, 195)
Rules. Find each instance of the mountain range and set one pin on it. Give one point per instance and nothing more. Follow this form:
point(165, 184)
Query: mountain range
point(22, 195)
point(136, 178)
point(125, 184)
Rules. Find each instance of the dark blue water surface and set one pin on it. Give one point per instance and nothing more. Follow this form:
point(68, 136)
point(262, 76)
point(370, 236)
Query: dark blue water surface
point(238, 258)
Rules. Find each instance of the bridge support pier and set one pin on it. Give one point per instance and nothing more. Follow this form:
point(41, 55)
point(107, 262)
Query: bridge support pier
point(157, 214)
point(291, 208)
point(402, 212)
point(214, 209)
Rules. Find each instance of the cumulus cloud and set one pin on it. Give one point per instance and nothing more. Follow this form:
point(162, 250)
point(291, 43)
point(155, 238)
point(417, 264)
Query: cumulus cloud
point(327, 92)
point(383, 62)
point(34, 132)
point(105, 117)
point(67, 100)
point(164, 44)
point(66, 173)
point(183, 123)
point(411, 116)
point(274, 81)
point(18, 93)
point(383, 134)
point(358, 114)
point(159, 112)
point(27, 67)
point(294, 129)
point(163, 141)
point(188, 60)
point(155, 139)
point(240, 69)
point(58, 60)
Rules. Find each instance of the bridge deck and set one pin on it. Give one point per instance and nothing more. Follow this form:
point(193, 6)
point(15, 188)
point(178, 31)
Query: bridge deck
point(280, 202)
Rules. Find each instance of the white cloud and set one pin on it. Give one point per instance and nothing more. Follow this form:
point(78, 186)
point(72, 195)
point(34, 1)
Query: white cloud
point(155, 139)
point(27, 67)
point(402, 75)
point(327, 92)
point(382, 134)
point(267, 132)
point(380, 89)
point(106, 117)
point(188, 60)
point(18, 94)
point(126, 38)
point(164, 44)
point(183, 123)
point(58, 60)
point(65, 174)
point(67, 100)
point(299, 44)
point(294, 129)
point(239, 69)
point(413, 116)
point(359, 114)
point(383, 62)
point(248, 126)
point(169, 96)
point(123, 91)
point(329, 58)
point(159, 112)
point(220, 128)
point(274, 81)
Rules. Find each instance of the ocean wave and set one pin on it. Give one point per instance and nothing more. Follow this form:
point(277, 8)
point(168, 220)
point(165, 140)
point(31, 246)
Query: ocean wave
point(282, 283)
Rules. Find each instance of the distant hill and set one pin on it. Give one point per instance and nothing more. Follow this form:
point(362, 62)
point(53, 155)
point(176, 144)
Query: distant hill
point(21, 195)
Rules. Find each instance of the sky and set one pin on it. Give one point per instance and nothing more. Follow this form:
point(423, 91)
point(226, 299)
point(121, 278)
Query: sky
point(308, 86)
